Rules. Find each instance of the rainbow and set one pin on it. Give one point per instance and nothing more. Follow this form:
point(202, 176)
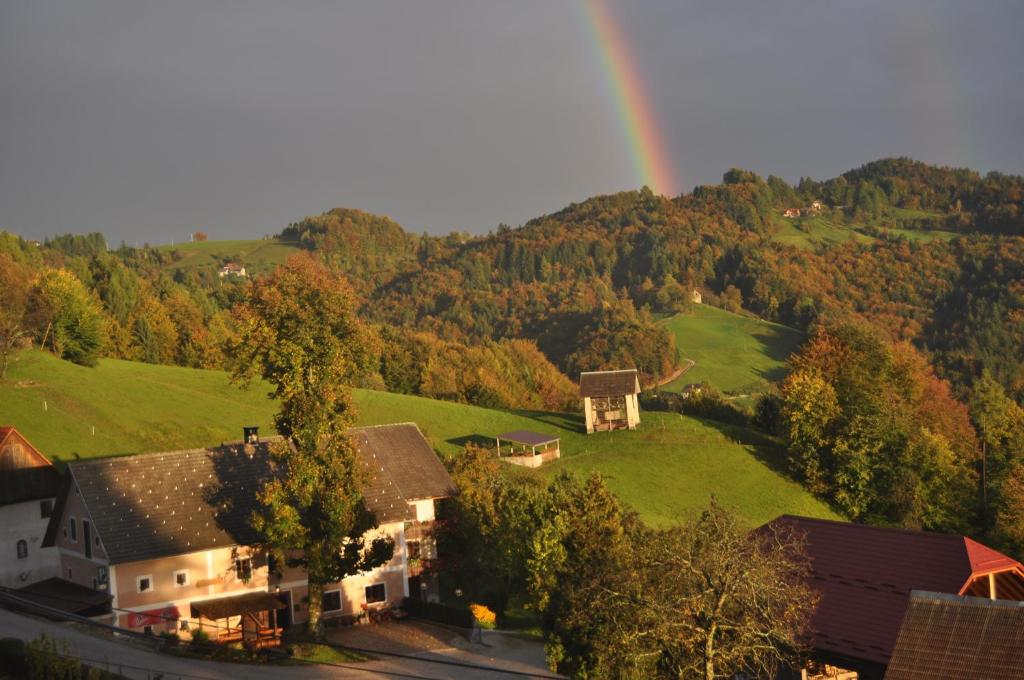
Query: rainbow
point(628, 93)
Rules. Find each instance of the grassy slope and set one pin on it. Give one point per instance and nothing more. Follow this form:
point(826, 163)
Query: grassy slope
point(668, 468)
point(258, 255)
point(810, 232)
point(735, 354)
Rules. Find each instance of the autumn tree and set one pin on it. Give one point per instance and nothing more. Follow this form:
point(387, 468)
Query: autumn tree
point(707, 599)
point(720, 601)
point(14, 290)
point(868, 424)
point(67, 317)
point(299, 332)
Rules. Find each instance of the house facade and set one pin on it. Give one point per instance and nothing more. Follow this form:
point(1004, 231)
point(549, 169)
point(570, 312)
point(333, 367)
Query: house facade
point(167, 535)
point(29, 486)
point(611, 400)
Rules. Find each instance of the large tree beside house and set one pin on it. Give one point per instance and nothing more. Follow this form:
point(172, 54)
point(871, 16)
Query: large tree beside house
point(300, 333)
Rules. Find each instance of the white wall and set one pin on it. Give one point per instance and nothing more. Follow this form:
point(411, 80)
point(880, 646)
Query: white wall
point(23, 521)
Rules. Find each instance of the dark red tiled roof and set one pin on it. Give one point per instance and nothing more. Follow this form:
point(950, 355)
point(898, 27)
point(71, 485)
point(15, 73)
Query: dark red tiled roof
point(865, 575)
point(959, 638)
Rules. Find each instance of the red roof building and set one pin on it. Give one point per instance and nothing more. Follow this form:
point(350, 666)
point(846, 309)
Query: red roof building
point(865, 576)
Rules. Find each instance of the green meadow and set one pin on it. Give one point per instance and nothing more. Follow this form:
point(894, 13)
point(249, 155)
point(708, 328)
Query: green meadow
point(812, 232)
point(668, 468)
point(257, 255)
point(735, 354)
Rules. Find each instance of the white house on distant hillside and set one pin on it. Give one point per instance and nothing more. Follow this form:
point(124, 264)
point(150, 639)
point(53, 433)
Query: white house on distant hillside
point(232, 269)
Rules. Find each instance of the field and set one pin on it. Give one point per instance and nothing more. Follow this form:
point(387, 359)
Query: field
point(257, 255)
point(810, 232)
point(813, 231)
point(667, 469)
point(735, 354)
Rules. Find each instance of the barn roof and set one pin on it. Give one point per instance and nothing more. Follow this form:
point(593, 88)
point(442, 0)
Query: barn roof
point(865, 576)
point(609, 383)
point(26, 476)
point(161, 504)
point(959, 638)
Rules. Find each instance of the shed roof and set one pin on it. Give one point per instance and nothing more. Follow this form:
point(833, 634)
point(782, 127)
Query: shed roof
point(161, 504)
point(865, 576)
point(609, 383)
point(527, 437)
point(959, 638)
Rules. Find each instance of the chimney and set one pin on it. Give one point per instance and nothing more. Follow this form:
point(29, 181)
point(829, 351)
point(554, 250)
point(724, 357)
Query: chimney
point(251, 434)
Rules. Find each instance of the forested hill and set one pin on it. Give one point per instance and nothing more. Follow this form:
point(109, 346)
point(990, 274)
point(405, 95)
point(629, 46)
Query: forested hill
point(925, 254)
point(907, 282)
point(585, 282)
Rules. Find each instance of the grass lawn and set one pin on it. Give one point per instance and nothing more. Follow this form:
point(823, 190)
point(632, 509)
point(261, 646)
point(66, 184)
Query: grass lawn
point(735, 354)
point(257, 255)
point(314, 652)
point(810, 232)
point(667, 469)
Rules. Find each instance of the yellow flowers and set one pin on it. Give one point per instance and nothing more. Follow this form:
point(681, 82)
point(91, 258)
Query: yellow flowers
point(484, 616)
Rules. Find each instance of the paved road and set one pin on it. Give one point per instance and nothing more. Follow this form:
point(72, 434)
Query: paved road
point(136, 661)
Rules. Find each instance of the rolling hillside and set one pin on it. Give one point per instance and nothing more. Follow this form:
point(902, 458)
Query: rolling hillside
point(668, 468)
point(735, 354)
point(258, 255)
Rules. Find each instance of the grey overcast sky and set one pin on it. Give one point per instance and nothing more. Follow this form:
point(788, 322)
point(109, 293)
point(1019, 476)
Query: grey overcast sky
point(146, 120)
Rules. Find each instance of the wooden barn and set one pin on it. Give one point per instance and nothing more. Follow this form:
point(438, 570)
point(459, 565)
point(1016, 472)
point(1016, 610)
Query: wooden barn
point(611, 399)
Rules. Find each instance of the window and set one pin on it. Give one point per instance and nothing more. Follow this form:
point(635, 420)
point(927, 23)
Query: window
point(376, 593)
point(73, 529)
point(331, 602)
point(45, 509)
point(102, 576)
point(413, 548)
point(181, 578)
point(22, 549)
point(71, 574)
point(144, 583)
point(243, 569)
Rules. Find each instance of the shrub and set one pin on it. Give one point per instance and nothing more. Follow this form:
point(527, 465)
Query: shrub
point(483, 616)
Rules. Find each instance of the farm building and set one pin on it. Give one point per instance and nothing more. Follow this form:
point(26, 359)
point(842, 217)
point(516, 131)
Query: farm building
point(529, 449)
point(865, 576)
point(29, 486)
point(610, 399)
point(232, 269)
point(167, 537)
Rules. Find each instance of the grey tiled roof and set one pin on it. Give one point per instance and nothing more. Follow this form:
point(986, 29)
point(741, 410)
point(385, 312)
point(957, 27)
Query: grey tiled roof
point(609, 383)
point(400, 455)
point(160, 504)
